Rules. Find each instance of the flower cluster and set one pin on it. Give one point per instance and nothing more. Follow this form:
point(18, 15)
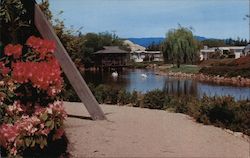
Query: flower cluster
point(44, 75)
point(3, 69)
point(33, 130)
point(14, 110)
point(30, 114)
point(15, 50)
point(41, 46)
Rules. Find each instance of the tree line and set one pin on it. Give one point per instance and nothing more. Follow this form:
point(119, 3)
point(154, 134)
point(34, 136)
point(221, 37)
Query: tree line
point(81, 46)
point(226, 42)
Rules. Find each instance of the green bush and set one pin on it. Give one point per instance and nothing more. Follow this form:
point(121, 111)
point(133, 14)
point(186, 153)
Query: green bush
point(106, 94)
point(219, 110)
point(242, 115)
point(228, 71)
point(223, 112)
point(124, 97)
point(135, 100)
point(154, 99)
point(100, 93)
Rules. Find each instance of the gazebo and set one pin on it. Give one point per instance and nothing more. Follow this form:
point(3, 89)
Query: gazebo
point(111, 56)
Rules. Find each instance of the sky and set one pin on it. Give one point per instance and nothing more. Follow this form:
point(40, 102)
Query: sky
point(153, 18)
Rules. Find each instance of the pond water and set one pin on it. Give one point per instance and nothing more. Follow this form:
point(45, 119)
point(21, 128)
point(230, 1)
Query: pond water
point(134, 79)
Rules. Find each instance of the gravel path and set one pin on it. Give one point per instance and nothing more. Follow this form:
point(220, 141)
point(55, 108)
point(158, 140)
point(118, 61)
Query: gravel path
point(137, 132)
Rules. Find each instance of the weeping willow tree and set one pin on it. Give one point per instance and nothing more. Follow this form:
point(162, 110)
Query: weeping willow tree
point(180, 46)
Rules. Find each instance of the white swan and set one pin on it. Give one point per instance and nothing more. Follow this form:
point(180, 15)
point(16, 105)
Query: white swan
point(114, 74)
point(144, 75)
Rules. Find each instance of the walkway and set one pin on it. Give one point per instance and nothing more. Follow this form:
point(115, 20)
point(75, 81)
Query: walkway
point(136, 132)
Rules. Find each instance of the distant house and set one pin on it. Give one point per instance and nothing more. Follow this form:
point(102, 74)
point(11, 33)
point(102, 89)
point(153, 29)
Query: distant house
point(137, 56)
point(234, 51)
point(247, 50)
point(204, 53)
point(139, 53)
point(154, 55)
point(140, 56)
point(111, 56)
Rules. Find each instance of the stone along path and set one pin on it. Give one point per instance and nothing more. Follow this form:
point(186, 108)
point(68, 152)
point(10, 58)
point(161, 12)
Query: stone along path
point(137, 132)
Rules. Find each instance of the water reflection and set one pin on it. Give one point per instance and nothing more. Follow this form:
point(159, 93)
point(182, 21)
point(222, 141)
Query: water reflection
point(180, 87)
point(239, 93)
point(132, 79)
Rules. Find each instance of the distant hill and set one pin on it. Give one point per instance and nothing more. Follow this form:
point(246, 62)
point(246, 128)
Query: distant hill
point(145, 42)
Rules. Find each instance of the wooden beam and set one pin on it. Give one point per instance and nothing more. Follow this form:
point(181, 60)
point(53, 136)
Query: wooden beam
point(69, 68)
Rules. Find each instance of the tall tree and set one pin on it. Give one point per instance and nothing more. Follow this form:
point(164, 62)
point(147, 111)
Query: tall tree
point(180, 46)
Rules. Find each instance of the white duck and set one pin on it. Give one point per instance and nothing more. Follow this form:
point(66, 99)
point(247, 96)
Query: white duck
point(114, 74)
point(144, 75)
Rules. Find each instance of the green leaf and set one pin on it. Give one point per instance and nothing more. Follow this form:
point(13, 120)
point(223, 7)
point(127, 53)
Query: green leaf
point(43, 143)
point(53, 125)
point(27, 142)
point(33, 143)
point(48, 123)
point(44, 117)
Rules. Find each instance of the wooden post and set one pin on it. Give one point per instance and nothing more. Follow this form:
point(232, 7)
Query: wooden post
point(69, 68)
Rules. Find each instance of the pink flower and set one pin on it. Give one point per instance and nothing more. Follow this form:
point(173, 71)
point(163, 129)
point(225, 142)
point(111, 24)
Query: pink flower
point(15, 50)
point(34, 42)
point(15, 109)
point(59, 133)
point(8, 133)
point(1, 64)
point(44, 47)
point(5, 71)
point(45, 131)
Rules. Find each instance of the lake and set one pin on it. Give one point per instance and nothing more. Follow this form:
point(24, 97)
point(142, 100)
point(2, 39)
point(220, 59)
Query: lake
point(132, 79)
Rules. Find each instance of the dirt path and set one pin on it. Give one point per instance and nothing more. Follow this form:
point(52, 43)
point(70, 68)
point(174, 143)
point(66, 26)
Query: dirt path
point(136, 132)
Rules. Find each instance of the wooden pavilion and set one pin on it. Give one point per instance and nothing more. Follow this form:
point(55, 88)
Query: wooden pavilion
point(111, 57)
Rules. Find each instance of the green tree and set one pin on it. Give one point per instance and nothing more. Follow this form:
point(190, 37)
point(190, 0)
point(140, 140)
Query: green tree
point(217, 42)
point(180, 46)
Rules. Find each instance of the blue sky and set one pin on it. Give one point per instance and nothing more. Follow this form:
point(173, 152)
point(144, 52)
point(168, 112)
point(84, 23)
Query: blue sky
point(153, 18)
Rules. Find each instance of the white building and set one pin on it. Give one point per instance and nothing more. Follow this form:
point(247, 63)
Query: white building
point(237, 51)
point(247, 49)
point(139, 54)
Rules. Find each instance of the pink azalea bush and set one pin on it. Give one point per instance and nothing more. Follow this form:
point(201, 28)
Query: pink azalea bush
point(30, 110)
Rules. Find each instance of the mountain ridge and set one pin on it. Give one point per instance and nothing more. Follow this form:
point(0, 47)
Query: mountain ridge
point(147, 41)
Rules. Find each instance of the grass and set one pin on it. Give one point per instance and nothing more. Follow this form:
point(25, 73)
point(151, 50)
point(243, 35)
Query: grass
point(144, 64)
point(189, 69)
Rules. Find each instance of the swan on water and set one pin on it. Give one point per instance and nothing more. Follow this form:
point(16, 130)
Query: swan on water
point(114, 74)
point(144, 75)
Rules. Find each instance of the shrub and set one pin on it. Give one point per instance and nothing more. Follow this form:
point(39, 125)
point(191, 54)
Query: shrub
point(217, 110)
point(230, 69)
point(124, 97)
point(100, 93)
point(106, 94)
point(177, 104)
point(154, 99)
point(242, 115)
point(29, 89)
point(135, 100)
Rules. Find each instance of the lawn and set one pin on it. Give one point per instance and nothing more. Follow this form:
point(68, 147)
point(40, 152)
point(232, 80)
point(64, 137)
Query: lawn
point(194, 69)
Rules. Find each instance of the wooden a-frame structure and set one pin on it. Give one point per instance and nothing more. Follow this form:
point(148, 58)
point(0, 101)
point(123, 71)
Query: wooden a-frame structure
point(47, 32)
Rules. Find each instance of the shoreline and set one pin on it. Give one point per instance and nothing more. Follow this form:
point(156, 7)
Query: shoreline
point(236, 81)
